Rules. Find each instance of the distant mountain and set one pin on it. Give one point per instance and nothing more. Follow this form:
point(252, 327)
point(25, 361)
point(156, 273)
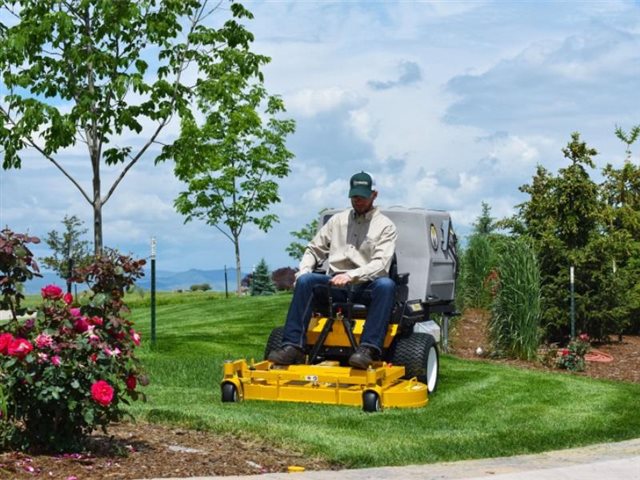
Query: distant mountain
point(168, 281)
point(165, 280)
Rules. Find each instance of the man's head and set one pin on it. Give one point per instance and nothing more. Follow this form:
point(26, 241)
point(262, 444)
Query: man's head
point(361, 192)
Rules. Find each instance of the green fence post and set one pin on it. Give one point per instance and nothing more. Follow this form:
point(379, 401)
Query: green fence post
point(153, 292)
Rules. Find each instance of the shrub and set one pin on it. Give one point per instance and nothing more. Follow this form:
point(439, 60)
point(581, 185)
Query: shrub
point(200, 287)
point(70, 367)
point(572, 357)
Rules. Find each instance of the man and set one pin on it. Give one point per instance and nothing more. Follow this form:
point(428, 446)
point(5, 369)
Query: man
point(358, 245)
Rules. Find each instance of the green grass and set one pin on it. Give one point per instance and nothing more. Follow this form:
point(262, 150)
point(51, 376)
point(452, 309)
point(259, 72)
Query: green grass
point(480, 410)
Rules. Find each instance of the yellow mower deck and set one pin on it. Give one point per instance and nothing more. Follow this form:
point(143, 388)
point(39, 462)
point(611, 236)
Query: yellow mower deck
point(326, 382)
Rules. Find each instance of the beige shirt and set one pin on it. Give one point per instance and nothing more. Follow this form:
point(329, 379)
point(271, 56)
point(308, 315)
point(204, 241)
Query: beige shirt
point(360, 245)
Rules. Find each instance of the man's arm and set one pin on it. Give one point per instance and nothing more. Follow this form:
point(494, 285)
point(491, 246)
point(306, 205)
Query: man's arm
point(317, 250)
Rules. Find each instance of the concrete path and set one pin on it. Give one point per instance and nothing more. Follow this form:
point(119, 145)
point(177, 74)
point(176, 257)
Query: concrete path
point(610, 461)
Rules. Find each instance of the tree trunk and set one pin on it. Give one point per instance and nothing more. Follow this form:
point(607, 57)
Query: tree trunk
point(97, 204)
point(236, 244)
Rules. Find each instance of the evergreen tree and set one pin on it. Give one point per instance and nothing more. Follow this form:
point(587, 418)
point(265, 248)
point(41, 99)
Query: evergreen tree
point(485, 224)
point(261, 283)
point(69, 248)
point(595, 228)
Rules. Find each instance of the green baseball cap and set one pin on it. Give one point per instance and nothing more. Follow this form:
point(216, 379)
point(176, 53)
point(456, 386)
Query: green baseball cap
point(361, 185)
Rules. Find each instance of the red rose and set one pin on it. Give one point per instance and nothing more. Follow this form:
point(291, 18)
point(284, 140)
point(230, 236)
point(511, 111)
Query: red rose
point(5, 340)
point(53, 292)
point(131, 382)
point(81, 325)
point(19, 347)
point(67, 298)
point(97, 321)
point(102, 393)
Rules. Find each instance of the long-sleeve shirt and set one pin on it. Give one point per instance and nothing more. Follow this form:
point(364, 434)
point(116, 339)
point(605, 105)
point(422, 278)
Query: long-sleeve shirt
point(361, 246)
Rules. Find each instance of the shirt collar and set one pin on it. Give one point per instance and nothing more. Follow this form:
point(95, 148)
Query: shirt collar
point(367, 216)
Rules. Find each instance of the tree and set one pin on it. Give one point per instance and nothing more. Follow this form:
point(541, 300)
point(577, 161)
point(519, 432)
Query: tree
point(94, 73)
point(69, 248)
point(230, 162)
point(261, 283)
point(629, 138)
point(306, 234)
point(620, 194)
point(485, 224)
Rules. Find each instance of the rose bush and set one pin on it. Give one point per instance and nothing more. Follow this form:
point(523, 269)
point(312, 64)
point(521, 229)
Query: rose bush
point(572, 356)
point(70, 367)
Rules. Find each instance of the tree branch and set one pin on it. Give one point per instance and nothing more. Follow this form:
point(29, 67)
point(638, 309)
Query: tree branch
point(30, 142)
point(183, 63)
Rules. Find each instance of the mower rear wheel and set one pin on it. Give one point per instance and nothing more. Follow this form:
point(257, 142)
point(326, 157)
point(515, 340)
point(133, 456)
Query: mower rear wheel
point(418, 352)
point(229, 392)
point(275, 341)
point(371, 402)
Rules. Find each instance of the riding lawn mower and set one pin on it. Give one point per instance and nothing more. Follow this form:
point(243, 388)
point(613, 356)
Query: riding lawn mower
point(424, 269)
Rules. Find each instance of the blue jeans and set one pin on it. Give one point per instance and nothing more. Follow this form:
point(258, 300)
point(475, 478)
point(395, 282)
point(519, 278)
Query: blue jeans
point(379, 310)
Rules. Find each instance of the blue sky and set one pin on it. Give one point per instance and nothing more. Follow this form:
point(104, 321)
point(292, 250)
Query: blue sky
point(447, 104)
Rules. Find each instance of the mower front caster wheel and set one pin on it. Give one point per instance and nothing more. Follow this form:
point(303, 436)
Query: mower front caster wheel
point(229, 393)
point(371, 402)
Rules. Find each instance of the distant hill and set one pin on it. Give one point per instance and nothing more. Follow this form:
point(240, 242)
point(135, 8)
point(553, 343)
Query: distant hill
point(165, 280)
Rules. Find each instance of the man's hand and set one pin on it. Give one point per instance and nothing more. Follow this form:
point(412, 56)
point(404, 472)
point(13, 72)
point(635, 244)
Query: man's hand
point(340, 280)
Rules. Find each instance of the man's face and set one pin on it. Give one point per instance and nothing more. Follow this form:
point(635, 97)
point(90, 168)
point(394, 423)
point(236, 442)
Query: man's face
point(363, 204)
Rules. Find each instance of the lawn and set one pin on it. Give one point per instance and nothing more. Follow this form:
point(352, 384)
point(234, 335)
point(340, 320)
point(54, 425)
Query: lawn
point(480, 410)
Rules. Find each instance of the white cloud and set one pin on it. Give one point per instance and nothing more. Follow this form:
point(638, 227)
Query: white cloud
point(309, 102)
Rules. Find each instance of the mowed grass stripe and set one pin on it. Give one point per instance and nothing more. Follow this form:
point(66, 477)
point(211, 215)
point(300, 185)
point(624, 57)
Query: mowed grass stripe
point(481, 409)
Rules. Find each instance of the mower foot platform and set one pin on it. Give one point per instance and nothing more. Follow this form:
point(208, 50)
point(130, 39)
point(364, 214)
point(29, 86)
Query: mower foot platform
point(378, 387)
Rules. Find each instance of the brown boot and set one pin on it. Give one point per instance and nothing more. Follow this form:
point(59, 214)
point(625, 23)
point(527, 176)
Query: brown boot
point(363, 357)
point(287, 355)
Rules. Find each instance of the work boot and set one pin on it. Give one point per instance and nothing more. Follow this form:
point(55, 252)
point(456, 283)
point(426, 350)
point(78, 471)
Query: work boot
point(363, 357)
point(287, 355)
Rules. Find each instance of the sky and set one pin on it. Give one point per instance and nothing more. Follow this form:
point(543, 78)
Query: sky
point(447, 105)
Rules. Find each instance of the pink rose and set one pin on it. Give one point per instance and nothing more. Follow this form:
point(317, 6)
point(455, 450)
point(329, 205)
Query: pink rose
point(55, 361)
point(102, 393)
point(52, 292)
point(75, 312)
point(112, 353)
point(135, 336)
point(81, 325)
point(19, 347)
point(44, 340)
point(67, 298)
point(131, 382)
point(42, 357)
point(5, 340)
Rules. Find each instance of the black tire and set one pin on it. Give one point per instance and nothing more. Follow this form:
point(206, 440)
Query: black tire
point(230, 392)
point(275, 341)
point(418, 353)
point(371, 402)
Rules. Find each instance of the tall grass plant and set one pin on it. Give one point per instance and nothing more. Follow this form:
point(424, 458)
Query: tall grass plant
point(514, 326)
